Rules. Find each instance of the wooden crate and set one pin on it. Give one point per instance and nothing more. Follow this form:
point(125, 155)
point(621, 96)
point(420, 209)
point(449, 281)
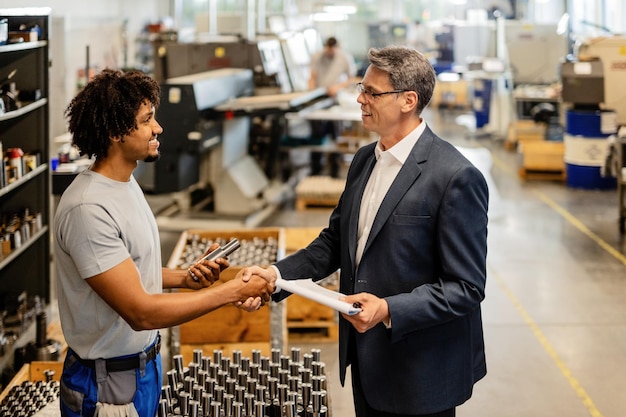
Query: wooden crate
point(228, 325)
point(306, 319)
point(177, 257)
point(542, 175)
point(319, 191)
point(231, 328)
point(297, 238)
point(301, 309)
point(33, 372)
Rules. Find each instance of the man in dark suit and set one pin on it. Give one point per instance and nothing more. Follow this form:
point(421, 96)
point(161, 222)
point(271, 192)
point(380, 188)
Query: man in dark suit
point(409, 235)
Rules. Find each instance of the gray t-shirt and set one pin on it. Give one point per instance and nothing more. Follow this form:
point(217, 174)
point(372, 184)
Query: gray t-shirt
point(330, 71)
point(99, 223)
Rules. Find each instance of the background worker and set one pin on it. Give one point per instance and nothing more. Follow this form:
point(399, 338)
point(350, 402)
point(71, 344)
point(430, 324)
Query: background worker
point(409, 236)
point(334, 69)
point(108, 258)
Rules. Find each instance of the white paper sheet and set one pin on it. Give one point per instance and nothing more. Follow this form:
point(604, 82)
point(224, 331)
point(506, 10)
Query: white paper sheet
point(307, 288)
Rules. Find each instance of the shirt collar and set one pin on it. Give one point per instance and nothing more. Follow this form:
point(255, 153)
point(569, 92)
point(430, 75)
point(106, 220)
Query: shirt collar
point(401, 150)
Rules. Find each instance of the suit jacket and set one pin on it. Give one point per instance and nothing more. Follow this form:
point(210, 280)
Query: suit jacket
point(426, 255)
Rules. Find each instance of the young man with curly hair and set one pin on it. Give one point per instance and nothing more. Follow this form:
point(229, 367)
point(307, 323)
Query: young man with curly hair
point(108, 257)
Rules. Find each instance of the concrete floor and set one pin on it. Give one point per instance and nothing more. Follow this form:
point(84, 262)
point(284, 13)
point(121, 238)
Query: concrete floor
point(555, 311)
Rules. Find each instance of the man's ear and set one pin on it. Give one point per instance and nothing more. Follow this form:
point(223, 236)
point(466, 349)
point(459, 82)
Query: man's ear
point(411, 100)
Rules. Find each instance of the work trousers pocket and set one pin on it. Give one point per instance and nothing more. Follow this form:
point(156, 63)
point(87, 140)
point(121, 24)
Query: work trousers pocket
point(118, 388)
point(80, 391)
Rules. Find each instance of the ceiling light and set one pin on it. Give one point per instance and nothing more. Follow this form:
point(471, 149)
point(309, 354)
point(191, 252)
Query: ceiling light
point(329, 17)
point(340, 9)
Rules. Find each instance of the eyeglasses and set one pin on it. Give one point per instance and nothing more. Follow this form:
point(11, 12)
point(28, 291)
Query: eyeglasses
point(362, 90)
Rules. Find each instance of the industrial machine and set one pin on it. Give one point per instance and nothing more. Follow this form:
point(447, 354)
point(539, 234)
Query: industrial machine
point(206, 119)
point(223, 103)
point(597, 75)
point(610, 52)
point(583, 83)
point(243, 187)
point(535, 51)
point(190, 129)
point(263, 56)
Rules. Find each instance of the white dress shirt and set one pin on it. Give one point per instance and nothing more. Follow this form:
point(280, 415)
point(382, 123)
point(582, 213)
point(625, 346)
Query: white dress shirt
point(388, 165)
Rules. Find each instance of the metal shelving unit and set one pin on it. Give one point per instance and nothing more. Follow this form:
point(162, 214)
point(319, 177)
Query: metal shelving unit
point(25, 267)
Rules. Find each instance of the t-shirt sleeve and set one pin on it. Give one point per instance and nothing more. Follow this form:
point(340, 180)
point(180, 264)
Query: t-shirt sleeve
point(93, 239)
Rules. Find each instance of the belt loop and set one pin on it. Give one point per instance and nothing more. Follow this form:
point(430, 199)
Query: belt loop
point(101, 370)
point(143, 356)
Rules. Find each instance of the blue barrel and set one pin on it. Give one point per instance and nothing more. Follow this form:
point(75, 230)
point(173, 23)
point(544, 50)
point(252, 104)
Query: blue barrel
point(586, 147)
point(589, 123)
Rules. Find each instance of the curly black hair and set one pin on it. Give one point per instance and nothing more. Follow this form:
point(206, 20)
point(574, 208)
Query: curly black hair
point(107, 107)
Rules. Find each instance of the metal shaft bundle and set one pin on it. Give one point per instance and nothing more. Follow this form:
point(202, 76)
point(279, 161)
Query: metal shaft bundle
point(28, 398)
point(221, 386)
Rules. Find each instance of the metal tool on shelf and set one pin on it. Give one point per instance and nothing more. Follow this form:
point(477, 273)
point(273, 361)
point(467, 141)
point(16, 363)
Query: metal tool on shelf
point(7, 96)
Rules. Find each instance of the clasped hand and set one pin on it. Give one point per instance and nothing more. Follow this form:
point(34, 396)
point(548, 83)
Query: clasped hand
point(251, 274)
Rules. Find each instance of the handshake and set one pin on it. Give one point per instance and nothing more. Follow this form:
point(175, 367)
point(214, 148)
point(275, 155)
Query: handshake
point(251, 288)
point(258, 286)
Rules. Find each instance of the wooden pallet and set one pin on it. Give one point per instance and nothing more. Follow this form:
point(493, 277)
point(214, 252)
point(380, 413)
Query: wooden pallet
point(302, 203)
point(312, 331)
point(542, 175)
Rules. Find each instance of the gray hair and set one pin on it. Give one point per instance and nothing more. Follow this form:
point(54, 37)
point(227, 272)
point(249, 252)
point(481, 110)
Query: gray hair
point(408, 69)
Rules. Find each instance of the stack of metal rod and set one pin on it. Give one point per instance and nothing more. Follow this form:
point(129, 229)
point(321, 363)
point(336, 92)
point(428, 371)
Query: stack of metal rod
point(29, 398)
point(253, 251)
point(221, 386)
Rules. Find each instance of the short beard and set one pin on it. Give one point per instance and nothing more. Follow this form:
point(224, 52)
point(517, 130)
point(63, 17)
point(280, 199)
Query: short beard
point(153, 158)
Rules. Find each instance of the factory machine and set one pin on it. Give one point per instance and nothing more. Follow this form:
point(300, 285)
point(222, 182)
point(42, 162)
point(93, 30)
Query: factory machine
point(207, 112)
point(583, 83)
point(611, 53)
point(535, 51)
point(243, 178)
point(263, 56)
point(595, 78)
point(190, 129)
point(203, 147)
